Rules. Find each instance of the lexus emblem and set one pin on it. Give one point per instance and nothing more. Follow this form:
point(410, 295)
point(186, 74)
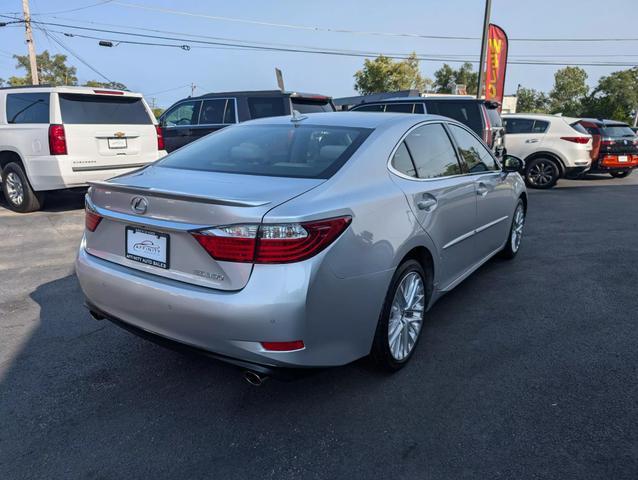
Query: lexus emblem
point(139, 204)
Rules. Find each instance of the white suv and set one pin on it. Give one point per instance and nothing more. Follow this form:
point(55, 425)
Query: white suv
point(62, 137)
point(552, 146)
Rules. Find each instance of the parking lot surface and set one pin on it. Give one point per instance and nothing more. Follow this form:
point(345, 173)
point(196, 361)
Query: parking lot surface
point(529, 369)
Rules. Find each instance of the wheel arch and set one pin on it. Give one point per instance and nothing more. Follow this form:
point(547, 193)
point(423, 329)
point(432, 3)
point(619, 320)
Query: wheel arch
point(550, 155)
point(10, 156)
point(424, 256)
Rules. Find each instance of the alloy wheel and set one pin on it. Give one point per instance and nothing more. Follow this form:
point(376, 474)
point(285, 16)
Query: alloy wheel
point(517, 228)
point(406, 315)
point(542, 173)
point(15, 188)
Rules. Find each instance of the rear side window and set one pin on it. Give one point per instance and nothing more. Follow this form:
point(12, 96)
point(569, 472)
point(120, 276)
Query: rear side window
point(184, 114)
point(540, 126)
point(400, 107)
point(432, 152)
point(519, 125)
point(230, 115)
point(402, 162)
point(477, 158)
point(579, 128)
point(212, 112)
point(304, 105)
point(463, 111)
point(379, 107)
point(266, 107)
point(81, 109)
point(303, 151)
point(28, 107)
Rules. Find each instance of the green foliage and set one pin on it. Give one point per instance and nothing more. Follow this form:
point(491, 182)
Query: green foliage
point(111, 85)
point(157, 112)
point(615, 97)
point(569, 92)
point(445, 77)
point(386, 75)
point(531, 101)
point(51, 70)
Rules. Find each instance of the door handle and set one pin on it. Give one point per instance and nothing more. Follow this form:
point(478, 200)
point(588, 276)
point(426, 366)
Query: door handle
point(531, 140)
point(482, 189)
point(428, 204)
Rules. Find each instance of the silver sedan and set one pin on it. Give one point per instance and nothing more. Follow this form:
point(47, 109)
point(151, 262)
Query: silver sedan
point(300, 241)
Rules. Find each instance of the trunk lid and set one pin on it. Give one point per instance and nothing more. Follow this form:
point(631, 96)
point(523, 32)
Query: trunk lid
point(177, 202)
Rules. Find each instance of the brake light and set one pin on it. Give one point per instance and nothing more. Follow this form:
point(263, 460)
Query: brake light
point(160, 137)
point(108, 92)
point(283, 346)
point(488, 127)
point(580, 140)
point(271, 243)
point(91, 219)
point(57, 140)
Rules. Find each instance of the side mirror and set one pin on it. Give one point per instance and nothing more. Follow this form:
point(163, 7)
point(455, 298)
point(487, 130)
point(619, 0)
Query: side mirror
point(512, 164)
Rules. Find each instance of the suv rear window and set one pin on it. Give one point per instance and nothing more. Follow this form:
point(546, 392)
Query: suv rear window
point(266, 107)
point(304, 151)
point(81, 109)
point(306, 105)
point(28, 108)
point(617, 131)
point(466, 112)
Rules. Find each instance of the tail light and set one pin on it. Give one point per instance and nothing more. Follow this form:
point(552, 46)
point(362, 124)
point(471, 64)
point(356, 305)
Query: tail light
point(160, 137)
point(91, 219)
point(606, 143)
point(488, 128)
point(271, 243)
point(580, 140)
point(57, 140)
point(283, 346)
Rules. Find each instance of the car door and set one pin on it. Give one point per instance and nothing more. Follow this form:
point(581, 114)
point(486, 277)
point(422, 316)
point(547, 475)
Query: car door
point(494, 191)
point(177, 124)
point(522, 138)
point(442, 198)
point(215, 114)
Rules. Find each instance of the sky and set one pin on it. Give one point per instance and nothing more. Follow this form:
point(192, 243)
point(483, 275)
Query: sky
point(164, 74)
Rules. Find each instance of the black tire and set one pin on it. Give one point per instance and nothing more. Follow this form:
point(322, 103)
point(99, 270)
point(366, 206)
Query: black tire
point(380, 352)
point(541, 173)
point(511, 248)
point(29, 201)
point(621, 174)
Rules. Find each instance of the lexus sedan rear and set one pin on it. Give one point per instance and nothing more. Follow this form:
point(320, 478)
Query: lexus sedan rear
point(304, 241)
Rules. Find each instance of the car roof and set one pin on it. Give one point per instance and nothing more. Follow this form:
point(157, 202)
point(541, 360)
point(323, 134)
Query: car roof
point(262, 93)
point(540, 116)
point(423, 99)
point(605, 122)
point(69, 89)
point(352, 119)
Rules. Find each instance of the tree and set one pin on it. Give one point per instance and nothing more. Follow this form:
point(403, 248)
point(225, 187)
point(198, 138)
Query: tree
point(570, 89)
point(111, 85)
point(386, 75)
point(51, 70)
point(445, 78)
point(615, 96)
point(531, 101)
point(157, 112)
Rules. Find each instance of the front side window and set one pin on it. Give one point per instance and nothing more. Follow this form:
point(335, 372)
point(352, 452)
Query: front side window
point(303, 151)
point(432, 152)
point(212, 112)
point(266, 107)
point(476, 156)
point(518, 125)
point(183, 114)
point(82, 109)
point(28, 107)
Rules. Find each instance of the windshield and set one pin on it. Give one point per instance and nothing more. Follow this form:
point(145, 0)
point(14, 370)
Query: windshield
point(304, 151)
point(617, 131)
point(103, 110)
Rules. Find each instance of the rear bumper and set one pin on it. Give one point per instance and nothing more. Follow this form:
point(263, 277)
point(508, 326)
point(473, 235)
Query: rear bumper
point(300, 301)
point(611, 163)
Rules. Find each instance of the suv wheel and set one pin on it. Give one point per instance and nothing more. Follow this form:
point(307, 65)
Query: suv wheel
point(620, 174)
point(401, 322)
point(17, 191)
point(542, 173)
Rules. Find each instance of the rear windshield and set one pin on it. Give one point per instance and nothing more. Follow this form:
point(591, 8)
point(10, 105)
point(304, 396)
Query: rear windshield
point(106, 110)
point(304, 151)
point(617, 131)
point(304, 105)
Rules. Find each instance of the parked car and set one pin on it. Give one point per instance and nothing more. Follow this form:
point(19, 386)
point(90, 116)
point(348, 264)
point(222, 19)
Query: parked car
point(63, 137)
point(480, 115)
point(552, 147)
point(615, 146)
point(193, 117)
point(300, 241)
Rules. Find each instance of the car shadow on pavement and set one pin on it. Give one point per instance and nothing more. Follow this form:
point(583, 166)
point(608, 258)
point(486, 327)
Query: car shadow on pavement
point(58, 201)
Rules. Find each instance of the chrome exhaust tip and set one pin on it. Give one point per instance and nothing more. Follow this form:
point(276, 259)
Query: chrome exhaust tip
point(255, 379)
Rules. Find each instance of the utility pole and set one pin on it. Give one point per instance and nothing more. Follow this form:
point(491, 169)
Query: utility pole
point(486, 26)
point(193, 87)
point(30, 44)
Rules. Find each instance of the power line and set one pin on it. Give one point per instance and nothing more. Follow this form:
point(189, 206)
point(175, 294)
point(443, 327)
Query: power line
point(103, 2)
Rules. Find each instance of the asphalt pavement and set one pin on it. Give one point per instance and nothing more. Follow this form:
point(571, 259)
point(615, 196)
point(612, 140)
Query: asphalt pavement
point(527, 370)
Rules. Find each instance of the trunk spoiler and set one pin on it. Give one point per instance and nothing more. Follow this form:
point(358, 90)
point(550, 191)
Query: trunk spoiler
point(154, 192)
